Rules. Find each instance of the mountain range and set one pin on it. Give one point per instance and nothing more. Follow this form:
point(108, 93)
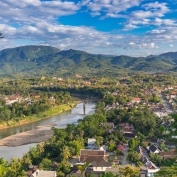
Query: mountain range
point(47, 60)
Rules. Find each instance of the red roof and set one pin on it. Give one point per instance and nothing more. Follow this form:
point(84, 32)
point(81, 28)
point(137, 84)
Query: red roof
point(137, 99)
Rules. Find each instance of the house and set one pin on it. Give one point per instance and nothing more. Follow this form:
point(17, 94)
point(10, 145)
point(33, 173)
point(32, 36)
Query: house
point(78, 75)
point(136, 100)
point(101, 166)
point(52, 100)
point(35, 172)
point(129, 135)
point(169, 88)
point(141, 151)
point(37, 96)
point(87, 155)
point(168, 155)
point(151, 168)
point(116, 93)
point(60, 79)
point(149, 171)
point(173, 95)
point(91, 143)
point(103, 148)
point(126, 127)
point(154, 149)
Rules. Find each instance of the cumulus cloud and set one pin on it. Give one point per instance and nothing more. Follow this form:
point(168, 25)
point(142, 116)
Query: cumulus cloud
point(150, 14)
point(63, 36)
point(31, 11)
point(171, 45)
point(141, 45)
point(110, 8)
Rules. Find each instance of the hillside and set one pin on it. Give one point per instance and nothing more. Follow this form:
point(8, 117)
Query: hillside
point(47, 60)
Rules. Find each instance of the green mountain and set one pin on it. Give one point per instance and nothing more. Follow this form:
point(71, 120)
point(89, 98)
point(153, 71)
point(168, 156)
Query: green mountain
point(170, 55)
point(46, 60)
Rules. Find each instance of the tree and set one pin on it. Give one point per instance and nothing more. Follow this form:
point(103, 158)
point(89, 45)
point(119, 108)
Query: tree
point(99, 141)
point(3, 167)
point(83, 168)
point(132, 143)
point(46, 164)
point(133, 157)
point(109, 174)
point(63, 168)
point(111, 146)
point(167, 172)
point(65, 154)
point(155, 158)
point(130, 171)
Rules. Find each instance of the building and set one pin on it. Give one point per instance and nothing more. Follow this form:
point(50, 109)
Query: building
point(87, 155)
point(35, 172)
point(126, 128)
point(91, 143)
point(101, 166)
point(154, 149)
point(136, 100)
point(169, 155)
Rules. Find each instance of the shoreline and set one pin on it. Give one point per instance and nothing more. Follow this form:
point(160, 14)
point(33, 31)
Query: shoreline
point(23, 122)
point(42, 133)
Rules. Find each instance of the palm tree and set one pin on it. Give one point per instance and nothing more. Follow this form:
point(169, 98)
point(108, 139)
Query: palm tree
point(83, 168)
point(65, 153)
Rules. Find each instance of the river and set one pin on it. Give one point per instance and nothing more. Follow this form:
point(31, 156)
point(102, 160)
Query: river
point(61, 120)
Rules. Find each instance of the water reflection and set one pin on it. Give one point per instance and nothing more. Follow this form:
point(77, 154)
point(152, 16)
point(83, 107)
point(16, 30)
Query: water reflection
point(61, 120)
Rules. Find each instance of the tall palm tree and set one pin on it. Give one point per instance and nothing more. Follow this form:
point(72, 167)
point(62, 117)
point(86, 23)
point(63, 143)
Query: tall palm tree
point(65, 153)
point(83, 168)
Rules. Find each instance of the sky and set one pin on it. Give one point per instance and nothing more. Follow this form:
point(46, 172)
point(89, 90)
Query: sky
point(112, 27)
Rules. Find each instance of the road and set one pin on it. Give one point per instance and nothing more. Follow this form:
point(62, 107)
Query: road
point(124, 161)
point(166, 105)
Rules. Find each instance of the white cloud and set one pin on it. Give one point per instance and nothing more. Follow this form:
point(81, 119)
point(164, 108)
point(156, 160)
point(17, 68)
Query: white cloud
point(152, 14)
point(31, 11)
point(130, 27)
point(171, 45)
point(110, 8)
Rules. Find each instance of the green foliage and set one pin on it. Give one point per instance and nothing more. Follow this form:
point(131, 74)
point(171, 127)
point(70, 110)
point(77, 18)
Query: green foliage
point(46, 164)
point(44, 60)
point(132, 143)
point(157, 159)
point(133, 157)
point(167, 172)
point(111, 146)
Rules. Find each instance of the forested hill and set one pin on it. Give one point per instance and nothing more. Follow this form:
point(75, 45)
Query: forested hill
point(46, 60)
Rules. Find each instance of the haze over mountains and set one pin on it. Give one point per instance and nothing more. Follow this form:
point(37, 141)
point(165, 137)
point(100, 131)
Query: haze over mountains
point(47, 60)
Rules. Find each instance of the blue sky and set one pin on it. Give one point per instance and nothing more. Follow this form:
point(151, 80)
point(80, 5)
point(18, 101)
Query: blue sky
point(116, 27)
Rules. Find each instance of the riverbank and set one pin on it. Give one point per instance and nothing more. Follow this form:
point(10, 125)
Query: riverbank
point(42, 133)
point(44, 115)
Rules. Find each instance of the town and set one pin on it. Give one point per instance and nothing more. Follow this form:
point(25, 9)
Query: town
point(133, 130)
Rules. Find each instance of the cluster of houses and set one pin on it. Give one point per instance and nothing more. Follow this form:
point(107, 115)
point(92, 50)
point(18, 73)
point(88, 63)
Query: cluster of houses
point(155, 149)
point(9, 100)
point(33, 171)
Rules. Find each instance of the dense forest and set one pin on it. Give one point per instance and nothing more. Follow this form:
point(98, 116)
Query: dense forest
point(47, 60)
